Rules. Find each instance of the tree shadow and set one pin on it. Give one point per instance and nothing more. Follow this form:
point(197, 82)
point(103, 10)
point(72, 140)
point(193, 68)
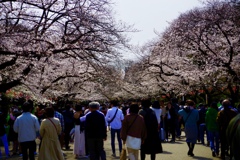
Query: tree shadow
point(176, 142)
point(201, 158)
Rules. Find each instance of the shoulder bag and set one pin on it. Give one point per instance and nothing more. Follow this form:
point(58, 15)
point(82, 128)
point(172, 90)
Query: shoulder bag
point(113, 117)
point(53, 124)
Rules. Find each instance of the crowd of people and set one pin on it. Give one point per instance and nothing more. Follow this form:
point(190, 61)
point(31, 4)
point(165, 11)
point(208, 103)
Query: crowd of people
point(138, 126)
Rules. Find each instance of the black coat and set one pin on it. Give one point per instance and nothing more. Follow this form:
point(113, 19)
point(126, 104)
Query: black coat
point(152, 143)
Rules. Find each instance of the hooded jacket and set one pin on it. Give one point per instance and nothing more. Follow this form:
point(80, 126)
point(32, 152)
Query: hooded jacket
point(211, 119)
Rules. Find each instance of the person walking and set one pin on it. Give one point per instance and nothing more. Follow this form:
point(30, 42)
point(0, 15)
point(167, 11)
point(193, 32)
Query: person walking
point(68, 123)
point(233, 135)
point(3, 135)
point(158, 112)
point(96, 131)
point(172, 116)
point(115, 117)
point(134, 126)
point(201, 124)
point(13, 136)
point(223, 118)
point(212, 128)
point(27, 126)
point(152, 144)
point(49, 130)
point(79, 135)
point(61, 119)
point(190, 117)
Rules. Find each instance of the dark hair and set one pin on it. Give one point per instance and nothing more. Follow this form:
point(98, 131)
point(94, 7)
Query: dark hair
point(49, 112)
point(182, 103)
point(214, 105)
point(174, 100)
point(201, 105)
point(78, 107)
point(55, 107)
point(31, 103)
point(114, 102)
point(68, 106)
point(134, 108)
point(156, 105)
point(226, 103)
point(146, 103)
point(26, 107)
point(190, 102)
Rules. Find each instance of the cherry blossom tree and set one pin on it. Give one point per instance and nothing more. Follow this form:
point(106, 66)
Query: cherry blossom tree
point(199, 50)
point(50, 44)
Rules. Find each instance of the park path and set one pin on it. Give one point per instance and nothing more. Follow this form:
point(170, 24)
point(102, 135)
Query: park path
point(171, 151)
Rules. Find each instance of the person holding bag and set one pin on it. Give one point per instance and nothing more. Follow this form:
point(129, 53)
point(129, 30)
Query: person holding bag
point(133, 132)
point(114, 117)
point(49, 130)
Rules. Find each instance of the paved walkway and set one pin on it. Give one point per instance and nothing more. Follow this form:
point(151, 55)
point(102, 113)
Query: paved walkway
point(171, 151)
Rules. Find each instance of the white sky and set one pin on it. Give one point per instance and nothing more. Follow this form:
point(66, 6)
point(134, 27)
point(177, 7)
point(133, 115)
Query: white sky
point(150, 15)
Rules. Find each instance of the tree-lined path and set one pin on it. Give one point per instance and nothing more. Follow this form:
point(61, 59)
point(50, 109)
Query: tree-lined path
point(171, 151)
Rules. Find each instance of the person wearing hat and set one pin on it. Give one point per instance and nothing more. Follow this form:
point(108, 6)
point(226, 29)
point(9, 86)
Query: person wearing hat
point(95, 130)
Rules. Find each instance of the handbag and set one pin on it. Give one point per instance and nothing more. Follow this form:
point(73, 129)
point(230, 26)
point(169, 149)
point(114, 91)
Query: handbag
point(133, 142)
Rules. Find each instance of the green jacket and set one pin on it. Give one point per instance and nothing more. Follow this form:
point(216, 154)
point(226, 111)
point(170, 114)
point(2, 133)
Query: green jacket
point(211, 119)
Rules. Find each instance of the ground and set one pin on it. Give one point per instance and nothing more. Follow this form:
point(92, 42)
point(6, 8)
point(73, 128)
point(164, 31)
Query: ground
point(171, 151)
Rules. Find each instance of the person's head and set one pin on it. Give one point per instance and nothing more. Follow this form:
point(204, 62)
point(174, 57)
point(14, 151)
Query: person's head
point(134, 108)
point(169, 105)
point(114, 102)
point(78, 108)
point(94, 106)
point(201, 105)
point(31, 103)
point(67, 107)
point(26, 107)
point(156, 105)
point(174, 100)
point(214, 105)
point(146, 103)
point(55, 107)
point(226, 103)
point(49, 112)
point(190, 103)
point(182, 103)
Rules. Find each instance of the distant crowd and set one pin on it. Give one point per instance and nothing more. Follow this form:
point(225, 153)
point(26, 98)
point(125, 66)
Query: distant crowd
point(138, 126)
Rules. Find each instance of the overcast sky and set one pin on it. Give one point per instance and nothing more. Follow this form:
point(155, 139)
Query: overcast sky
point(150, 15)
